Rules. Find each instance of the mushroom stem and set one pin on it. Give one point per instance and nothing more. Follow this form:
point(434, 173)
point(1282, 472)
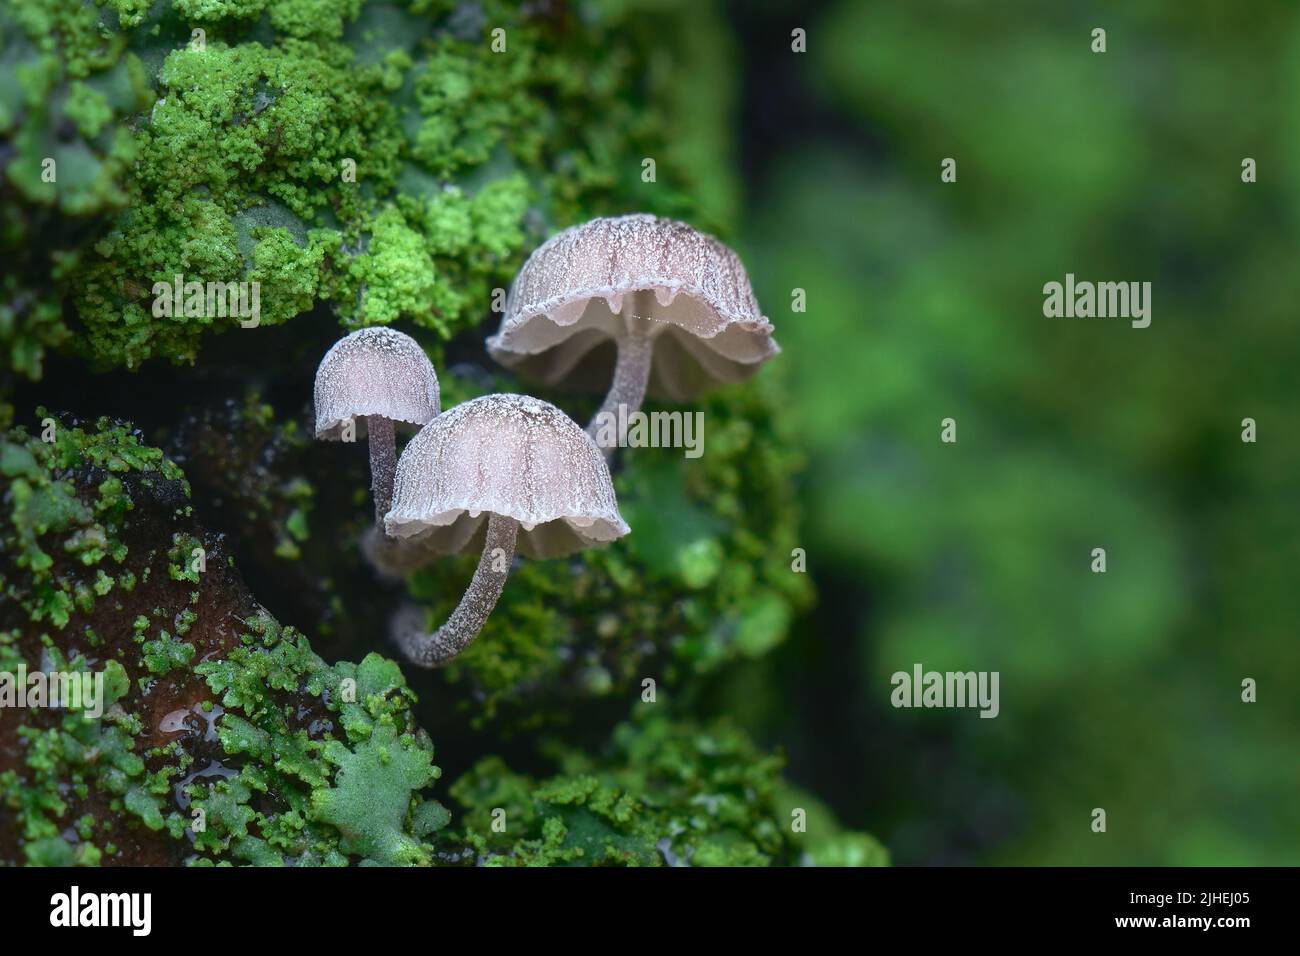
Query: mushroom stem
point(436, 649)
point(383, 464)
point(631, 373)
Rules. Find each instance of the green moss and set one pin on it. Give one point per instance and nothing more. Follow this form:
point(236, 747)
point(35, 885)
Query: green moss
point(664, 792)
point(319, 18)
point(303, 761)
point(165, 654)
point(469, 98)
point(367, 806)
point(71, 755)
point(65, 92)
point(371, 799)
point(394, 277)
point(44, 508)
point(28, 326)
point(403, 164)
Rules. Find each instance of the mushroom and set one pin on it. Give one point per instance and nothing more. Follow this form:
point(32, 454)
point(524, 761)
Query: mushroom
point(677, 303)
point(373, 378)
point(498, 472)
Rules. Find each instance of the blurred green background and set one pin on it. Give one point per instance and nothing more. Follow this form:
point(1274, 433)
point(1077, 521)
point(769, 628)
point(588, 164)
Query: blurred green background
point(924, 301)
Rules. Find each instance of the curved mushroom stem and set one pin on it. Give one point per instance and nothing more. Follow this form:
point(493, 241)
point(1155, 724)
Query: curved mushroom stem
point(383, 464)
point(631, 374)
point(436, 649)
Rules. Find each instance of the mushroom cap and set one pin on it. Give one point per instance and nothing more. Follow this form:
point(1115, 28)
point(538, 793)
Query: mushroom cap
point(512, 455)
point(565, 303)
point(374, 371)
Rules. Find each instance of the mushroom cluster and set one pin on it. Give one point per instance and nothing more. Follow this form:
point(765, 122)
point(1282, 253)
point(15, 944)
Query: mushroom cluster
point(503, 473)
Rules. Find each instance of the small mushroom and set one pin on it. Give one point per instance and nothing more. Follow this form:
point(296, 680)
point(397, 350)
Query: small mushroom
point(497, 472)
point(374, 378)
point(677, 304)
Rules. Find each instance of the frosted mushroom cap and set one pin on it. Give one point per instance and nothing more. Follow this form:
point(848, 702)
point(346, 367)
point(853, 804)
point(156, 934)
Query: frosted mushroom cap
point(374, 371)
point(566, 302)
point(512, 455)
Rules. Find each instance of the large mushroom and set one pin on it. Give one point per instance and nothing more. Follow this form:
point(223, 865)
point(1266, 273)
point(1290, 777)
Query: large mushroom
point(675, 302)
point(374, 378)
point(497, 472)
